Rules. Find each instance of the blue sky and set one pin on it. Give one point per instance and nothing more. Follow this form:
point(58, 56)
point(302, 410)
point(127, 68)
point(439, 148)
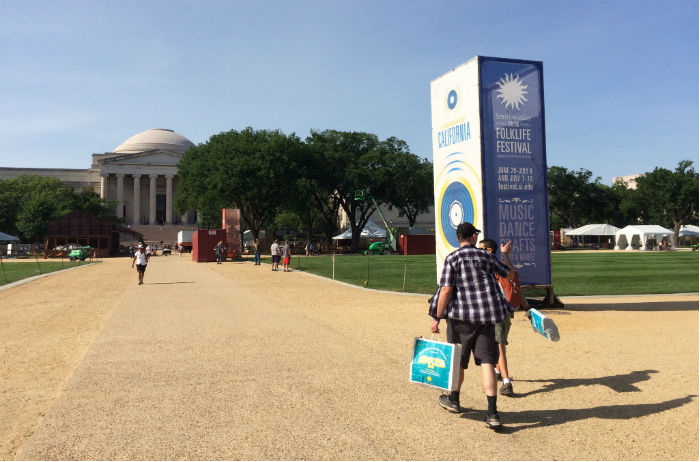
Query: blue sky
point(80, 77)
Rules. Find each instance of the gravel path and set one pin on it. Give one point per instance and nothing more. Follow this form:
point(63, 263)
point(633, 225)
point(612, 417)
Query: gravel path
point(234, 361)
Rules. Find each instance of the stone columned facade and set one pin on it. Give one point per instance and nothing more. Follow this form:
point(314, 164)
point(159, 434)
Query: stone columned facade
point(141, 174)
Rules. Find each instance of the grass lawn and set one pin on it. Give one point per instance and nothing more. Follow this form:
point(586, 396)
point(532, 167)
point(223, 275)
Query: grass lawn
point(18, 270)
point(625, 273)
point(604, 273)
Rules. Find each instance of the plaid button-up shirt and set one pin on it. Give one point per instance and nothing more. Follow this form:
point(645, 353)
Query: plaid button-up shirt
point(477, 296)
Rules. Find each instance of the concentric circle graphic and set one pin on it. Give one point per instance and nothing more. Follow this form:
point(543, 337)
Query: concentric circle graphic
point(456, 214)
point(456, 207)
point(455, 200)
point(452, 99)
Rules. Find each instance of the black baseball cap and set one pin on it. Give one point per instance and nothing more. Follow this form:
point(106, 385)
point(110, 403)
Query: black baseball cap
point(465, 230)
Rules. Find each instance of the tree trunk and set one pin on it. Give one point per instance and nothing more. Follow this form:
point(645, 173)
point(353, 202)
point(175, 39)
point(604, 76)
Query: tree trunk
point(676, 230)
point(356, 231)
point(309, 225)
point(411, 219)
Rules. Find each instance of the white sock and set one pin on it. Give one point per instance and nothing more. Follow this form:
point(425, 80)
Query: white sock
point(506, 381)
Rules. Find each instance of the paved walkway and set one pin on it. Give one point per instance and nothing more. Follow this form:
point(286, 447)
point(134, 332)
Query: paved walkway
point(233, 361)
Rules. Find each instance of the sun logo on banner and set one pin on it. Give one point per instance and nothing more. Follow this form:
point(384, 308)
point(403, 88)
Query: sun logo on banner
point(511, 91)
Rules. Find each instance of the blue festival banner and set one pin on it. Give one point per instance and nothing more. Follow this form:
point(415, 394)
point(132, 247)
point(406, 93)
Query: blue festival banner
point(514, 163)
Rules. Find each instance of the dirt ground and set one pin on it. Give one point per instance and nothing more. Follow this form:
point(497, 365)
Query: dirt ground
point(234, 361)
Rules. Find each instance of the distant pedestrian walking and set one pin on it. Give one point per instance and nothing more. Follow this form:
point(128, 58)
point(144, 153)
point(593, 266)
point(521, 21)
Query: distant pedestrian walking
point(275, 254)
point(219, 249)
point(286, 256)
point(140, 259)
point(256, 250)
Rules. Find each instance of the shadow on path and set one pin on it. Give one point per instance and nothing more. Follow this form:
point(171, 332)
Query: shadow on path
point(691, 305)
point(180, 282)
point(516, 421)
point(621, 383)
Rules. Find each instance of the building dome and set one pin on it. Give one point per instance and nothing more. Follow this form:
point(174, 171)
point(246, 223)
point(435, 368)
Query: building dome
point(155, 138)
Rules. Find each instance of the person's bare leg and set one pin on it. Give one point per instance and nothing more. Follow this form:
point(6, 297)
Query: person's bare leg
point(503, 362)
point(488, 379)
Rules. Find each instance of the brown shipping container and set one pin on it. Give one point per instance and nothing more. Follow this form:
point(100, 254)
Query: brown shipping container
point(203, 243)
point(416, 244)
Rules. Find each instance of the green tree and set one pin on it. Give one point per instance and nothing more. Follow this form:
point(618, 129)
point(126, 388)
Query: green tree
point(318, 186)
point(38, 208)
point(576, 199)
point(10, 199)
point(29, 202)
point(89, 201)
point(628, 210)
point(310, 193)
point(411, 190)
point(669, 198)
point(568, 196)
point(353, 161)
point(248, 169)
point(38, 200)
point(288, 221)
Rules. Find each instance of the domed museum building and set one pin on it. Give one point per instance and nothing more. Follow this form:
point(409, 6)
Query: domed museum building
point(140, 173)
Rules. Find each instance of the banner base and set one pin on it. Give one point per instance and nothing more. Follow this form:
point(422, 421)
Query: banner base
point(549, 300)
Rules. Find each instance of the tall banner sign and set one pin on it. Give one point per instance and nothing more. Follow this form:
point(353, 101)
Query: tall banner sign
point(507, 104)
point(456, 156)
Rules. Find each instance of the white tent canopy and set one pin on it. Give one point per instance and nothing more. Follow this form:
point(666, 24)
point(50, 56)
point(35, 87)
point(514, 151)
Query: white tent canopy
point(688, 230)
point(248, 234)
point(371, 230)
point(594, 230)
point(6, 237)
point(639, 235)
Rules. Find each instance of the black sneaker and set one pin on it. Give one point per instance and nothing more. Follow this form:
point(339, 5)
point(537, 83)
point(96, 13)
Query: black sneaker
point(447, 403)
point(506, 389)
point(493, 421)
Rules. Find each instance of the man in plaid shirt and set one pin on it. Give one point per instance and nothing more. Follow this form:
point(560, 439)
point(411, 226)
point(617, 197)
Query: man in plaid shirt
point(476, 303)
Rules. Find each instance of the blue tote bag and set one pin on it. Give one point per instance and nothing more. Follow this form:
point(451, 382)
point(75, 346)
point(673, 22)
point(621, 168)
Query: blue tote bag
point(435, 364)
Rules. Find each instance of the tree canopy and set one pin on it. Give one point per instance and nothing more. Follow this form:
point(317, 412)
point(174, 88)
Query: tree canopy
point(280, 181)
point(411, 191)
point(664, 197)
point(250, 169)
point(354, 161)
point(267, 174)
point(29, 202)
point(668, 198)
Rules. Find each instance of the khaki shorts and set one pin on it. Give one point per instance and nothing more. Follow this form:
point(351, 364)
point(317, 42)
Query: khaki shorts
point(502, 329)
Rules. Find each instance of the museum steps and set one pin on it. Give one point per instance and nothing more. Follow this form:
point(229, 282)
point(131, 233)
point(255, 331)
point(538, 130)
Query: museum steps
point(156, 233)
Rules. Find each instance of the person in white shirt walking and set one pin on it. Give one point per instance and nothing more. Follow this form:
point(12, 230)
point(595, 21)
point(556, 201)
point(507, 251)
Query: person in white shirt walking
point(141, 260)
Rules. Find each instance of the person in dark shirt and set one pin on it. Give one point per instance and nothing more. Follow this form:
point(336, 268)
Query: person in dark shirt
point(476, 305)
